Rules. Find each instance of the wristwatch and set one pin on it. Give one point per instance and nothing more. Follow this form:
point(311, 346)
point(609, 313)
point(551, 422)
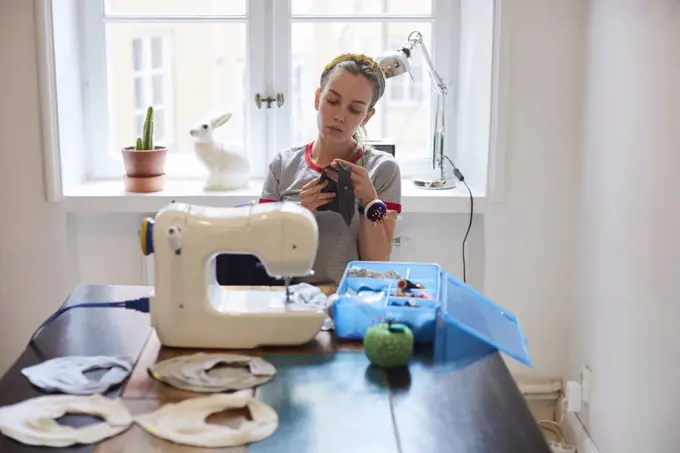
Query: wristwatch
point(374, 211)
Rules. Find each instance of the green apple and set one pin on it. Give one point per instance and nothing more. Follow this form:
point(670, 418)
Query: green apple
point(388, 345)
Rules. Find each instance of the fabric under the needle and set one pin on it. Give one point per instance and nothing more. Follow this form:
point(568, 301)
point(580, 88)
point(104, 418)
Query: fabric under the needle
point(213, 372)
point(33, 421)
point(185, 422)
point(304, 296)
point(66, 374)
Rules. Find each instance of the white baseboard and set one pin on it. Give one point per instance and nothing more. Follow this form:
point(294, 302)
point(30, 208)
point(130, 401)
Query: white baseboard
point(575, 434)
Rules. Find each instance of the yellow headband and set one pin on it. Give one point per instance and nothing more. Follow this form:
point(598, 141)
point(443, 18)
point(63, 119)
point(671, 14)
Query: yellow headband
point(353, 56)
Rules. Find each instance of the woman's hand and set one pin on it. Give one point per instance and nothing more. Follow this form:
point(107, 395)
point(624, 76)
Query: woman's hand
point(363, 186)
point(311, 196)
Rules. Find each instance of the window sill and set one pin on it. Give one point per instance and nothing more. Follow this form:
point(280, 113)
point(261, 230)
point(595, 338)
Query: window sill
point(110, 196)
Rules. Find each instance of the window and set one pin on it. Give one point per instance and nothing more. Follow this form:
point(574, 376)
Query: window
point(192, 60)
point(152, 87)
point(297, 109)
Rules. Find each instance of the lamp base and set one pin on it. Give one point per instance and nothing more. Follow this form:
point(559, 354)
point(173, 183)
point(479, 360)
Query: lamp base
point(435, 184)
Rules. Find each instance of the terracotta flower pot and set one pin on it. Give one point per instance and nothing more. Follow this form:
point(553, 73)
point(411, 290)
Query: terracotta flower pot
point(144, 164)
point(144, 170)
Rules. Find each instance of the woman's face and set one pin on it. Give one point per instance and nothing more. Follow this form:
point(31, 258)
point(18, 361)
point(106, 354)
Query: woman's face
point(343, 105)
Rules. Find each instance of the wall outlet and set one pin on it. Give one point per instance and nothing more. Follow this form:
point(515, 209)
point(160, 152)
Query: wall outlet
point(586, 383)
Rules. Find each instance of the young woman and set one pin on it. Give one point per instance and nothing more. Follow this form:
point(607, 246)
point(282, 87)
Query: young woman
point(350, 87)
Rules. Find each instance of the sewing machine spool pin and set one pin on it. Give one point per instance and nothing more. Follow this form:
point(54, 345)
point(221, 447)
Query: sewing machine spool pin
point(185, 241)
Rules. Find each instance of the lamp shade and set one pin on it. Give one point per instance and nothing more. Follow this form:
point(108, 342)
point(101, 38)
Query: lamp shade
point(394, 63)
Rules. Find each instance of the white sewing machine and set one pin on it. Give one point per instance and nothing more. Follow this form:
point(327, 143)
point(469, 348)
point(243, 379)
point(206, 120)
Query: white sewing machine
point(190, 309)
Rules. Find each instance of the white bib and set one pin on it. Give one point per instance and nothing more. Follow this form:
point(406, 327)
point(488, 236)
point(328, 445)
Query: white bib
point(199, 372)
point(66, 374)
point(185, 422)
point(33, 421)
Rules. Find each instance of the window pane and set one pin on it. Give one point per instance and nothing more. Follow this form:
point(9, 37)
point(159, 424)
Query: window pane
point(158, 95)
point(407, 125)
point(323, 7)
point(139, 127)
point(159, 126)
point(176, 7)
point(140, 99)
point(137, 54)
point(156, 52)
point(206, 78)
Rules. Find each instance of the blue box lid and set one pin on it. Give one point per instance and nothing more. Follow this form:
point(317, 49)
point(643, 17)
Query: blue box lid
point(465, 309)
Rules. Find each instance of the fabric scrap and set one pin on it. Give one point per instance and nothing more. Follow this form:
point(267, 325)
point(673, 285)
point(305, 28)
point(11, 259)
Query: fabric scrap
point(33, 421)
point(66, 374)
point(201, 372)
point(305, 296)
point(185, 422)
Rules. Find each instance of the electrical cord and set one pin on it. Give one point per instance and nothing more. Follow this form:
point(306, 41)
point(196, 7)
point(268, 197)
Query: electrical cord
point(141, 305)
point(461, 178)
point(552, 432)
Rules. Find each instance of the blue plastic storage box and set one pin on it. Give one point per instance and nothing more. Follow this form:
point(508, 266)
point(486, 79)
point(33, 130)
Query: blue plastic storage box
point(441, 310)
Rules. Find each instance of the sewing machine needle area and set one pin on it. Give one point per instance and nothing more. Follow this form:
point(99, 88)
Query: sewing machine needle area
point(254, 300)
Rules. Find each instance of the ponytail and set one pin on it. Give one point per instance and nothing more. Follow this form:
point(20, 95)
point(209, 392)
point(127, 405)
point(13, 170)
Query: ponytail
point(359, 135)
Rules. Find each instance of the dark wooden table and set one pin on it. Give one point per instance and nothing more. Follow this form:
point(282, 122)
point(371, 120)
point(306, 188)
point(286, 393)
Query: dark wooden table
point(327, 396)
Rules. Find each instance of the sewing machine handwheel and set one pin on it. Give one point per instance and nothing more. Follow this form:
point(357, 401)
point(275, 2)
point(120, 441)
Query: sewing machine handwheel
point(146, 236)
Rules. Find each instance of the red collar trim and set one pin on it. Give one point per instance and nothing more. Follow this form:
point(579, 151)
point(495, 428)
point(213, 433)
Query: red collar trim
point(310, 163)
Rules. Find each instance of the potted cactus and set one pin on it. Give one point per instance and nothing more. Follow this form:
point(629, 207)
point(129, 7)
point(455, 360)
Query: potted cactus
point(145, 162)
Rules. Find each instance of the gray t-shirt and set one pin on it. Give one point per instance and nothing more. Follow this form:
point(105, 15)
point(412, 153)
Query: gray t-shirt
point(338, 243)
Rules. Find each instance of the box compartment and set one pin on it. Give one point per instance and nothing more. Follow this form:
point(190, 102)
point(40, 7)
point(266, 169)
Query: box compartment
point(370, 293)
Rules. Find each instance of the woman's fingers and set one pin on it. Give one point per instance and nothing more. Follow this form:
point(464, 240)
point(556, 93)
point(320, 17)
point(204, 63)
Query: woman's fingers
point(311, 183)
point(333, 174)
point(311, 197)
point(312, 189)
point(320, 202)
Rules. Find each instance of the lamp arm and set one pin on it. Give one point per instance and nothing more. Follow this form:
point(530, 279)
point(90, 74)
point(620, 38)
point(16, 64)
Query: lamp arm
point(438, 81)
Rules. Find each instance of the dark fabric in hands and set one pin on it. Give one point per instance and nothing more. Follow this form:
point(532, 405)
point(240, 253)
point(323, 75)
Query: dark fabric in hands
point(339, 182)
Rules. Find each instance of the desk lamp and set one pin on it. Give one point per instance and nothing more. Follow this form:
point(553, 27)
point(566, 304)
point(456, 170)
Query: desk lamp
point(395, 63)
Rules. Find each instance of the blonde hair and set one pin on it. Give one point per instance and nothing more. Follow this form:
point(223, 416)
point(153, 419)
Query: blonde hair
point(358, 64)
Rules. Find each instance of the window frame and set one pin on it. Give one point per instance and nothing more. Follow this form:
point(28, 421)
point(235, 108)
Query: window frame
point(268, 65)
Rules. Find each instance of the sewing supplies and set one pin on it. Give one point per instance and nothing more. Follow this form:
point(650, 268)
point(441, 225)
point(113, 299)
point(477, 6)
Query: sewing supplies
point(360, 272)
point(213, 372)
point(66, 374)
point(389, 344)
point(416, 295)
point(185, 239)
point(367, 295)
point(414, 306)
point(405, 285)
point(33, 421)
point(184, 422)
point(375, 211)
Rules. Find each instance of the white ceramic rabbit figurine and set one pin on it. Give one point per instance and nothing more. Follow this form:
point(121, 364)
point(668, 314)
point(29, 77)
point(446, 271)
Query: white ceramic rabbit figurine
point(228, 166)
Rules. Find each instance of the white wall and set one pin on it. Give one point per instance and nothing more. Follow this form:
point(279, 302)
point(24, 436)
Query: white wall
point(519, 253)
point(528, 234)
point(626, 314)
point(34, 271)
